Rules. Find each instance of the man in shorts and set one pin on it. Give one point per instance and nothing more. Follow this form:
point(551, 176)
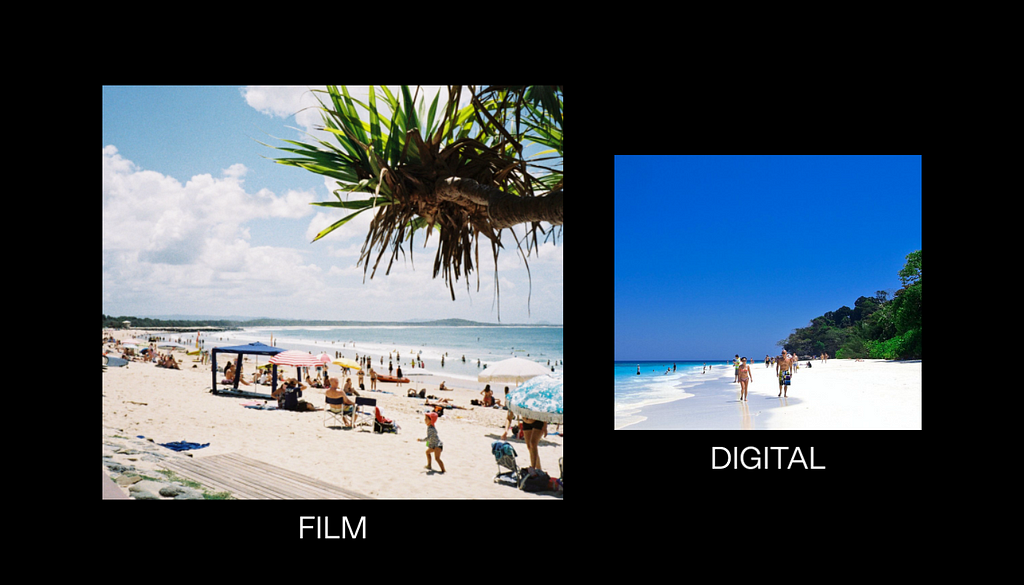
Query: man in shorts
point(782, 367)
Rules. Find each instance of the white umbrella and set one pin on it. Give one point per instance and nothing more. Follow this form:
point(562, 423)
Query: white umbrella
point(512, 370)
point(169, 344)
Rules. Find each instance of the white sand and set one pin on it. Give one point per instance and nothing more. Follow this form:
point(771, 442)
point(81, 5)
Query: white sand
point(840, 394)
point(179, 407)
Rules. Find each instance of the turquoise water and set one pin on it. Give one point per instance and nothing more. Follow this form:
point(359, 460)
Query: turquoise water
point(657, 383)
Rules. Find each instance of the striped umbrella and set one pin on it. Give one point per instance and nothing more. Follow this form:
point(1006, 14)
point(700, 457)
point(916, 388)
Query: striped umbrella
point(295, 358)
point(540, 398)
point(299, 359)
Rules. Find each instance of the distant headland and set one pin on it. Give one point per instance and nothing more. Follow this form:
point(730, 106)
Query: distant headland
point(130, 322)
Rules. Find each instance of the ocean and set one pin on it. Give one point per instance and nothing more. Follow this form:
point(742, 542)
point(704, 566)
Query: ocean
point(656, 383)
point(480, 345)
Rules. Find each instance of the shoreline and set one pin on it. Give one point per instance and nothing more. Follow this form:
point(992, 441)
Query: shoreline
point(637, 416)
point(840, 394)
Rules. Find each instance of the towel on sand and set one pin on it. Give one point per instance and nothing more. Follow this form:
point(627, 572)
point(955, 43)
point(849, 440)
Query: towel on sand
point(183, 446)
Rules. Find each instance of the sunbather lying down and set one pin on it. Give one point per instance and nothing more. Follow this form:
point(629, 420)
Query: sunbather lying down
point(446, 403)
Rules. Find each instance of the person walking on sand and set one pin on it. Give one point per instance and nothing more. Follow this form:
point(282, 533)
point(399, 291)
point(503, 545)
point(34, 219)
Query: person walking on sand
point(736, 368)
point(745, 376)
point(433, 442)
point(782, 369)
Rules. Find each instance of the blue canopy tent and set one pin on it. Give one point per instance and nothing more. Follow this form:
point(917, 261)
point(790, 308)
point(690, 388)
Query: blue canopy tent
point(256, 348)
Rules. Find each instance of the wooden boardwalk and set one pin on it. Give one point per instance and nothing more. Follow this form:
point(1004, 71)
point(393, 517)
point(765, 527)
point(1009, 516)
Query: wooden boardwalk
point(249, 479)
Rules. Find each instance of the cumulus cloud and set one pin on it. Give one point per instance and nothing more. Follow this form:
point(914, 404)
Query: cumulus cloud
point(168, 239)
point(302, 102)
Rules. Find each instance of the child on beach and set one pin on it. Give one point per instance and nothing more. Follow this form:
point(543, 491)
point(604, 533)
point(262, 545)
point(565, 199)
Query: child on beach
point(433, 442)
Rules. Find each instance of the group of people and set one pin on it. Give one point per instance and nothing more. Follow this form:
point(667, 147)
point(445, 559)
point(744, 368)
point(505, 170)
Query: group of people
point(149, 355)
point(785, 366)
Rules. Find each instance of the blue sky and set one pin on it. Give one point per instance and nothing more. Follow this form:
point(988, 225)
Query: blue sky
point(195, 221)
point(719, 255)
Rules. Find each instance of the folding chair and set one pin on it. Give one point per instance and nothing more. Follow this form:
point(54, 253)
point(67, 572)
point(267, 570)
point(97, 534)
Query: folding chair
point(336, 410)
point(360, 401)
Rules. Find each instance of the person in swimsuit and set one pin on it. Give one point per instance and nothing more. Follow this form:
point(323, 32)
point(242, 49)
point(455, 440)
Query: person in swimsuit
point(745, 376)
point(533, 431)
point(736, 368)
point(782, 366)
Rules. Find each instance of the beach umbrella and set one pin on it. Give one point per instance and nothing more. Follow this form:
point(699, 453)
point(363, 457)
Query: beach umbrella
point(295, 358)
point(169, 344)
point(299, 359)
point(540, 398)
point(346, 363)
point(512, 370)
point(324, 358)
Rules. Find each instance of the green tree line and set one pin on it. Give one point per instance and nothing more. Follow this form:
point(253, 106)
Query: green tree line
point(111, 322)
point(876, 327)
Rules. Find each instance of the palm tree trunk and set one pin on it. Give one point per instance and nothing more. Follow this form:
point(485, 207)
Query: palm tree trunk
point(504, 210)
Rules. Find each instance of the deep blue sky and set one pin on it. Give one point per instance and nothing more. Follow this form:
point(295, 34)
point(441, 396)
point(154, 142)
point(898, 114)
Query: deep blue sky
point(719, 255)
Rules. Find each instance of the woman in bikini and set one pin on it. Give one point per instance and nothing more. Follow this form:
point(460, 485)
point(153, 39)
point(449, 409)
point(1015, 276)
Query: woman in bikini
point(745, 376)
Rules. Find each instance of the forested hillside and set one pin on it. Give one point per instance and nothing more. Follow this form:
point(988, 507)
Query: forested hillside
point(876, 326)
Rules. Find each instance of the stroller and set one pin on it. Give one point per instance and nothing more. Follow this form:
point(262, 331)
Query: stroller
point(505, 455)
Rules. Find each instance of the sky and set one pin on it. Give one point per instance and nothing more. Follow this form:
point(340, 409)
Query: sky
point(719, 255)
point(197, 222)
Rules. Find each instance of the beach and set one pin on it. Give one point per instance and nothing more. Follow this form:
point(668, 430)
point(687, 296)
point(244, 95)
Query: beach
point(839, 394)
point(168, 405)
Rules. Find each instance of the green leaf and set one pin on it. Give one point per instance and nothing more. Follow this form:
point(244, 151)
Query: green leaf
point(410, 110)
point(375, 138)
point(338, 223)
point(357, 204)
point(430, 117)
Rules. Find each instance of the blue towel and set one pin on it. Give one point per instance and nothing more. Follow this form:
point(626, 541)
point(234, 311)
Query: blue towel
point(183, 446)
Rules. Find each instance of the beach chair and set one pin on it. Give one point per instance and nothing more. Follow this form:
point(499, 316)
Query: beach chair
point(336, 409)
point(360, 401)
point(505, 456)
point(383, 425)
